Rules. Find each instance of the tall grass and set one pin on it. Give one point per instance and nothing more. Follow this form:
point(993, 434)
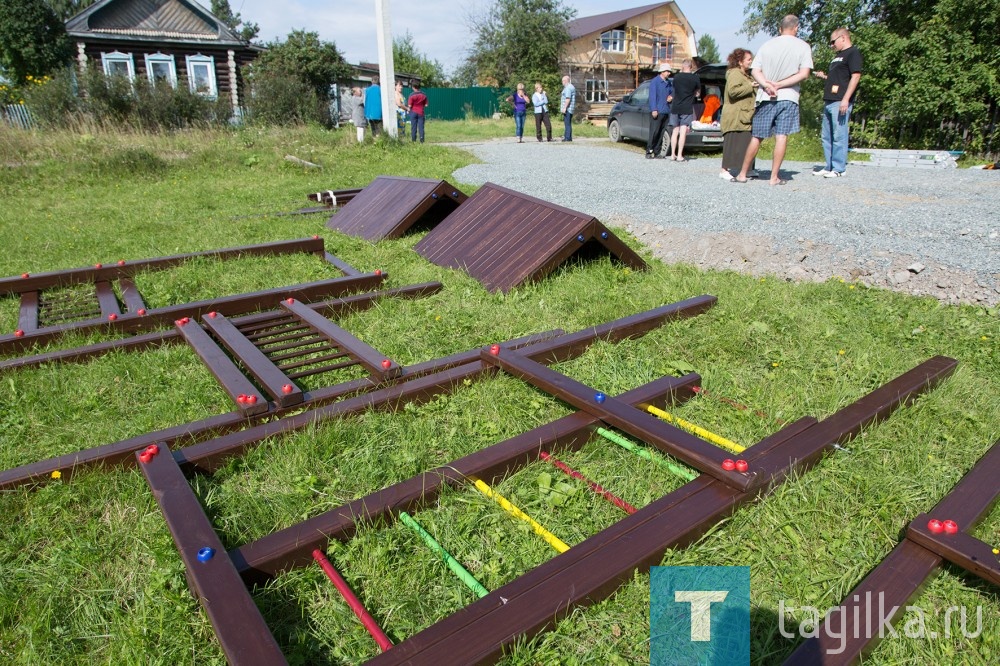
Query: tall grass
point(89, 573)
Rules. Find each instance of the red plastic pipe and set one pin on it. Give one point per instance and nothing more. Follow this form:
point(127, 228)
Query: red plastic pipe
point(620, 503)
point(352, 600)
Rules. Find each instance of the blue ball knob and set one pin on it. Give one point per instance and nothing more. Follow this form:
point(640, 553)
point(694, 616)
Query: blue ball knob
point(604, 235)
point(600, 397)
point(205, 554)
point(581, 238)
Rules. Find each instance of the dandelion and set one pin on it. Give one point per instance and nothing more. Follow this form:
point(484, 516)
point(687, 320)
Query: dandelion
point(985, 337)
point(57, 474)
point(996, 551)
point(851, 287)
point(438, 318)
point(775, 364)
point(841, 352)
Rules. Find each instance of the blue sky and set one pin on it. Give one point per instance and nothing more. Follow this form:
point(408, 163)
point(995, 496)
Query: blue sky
point(439, 27)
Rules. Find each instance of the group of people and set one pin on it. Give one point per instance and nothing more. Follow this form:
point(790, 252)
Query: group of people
point(762, 100)
point(671, 104)
point(366, 110)
point(539, 100)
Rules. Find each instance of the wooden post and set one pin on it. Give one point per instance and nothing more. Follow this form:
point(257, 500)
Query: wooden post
point(386, 67)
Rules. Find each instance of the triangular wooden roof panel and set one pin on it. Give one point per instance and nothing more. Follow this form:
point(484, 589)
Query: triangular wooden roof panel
point(158, 20)
point(390, 205)
point(504, 238)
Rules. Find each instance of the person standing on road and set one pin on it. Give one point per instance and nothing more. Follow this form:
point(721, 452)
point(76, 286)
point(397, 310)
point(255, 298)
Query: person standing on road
point(358, 113)
point(838, 100)
point(540, 100)
point(781, 64)
point(661, 91)
point(567, 104)
point(416, 104)
point(373, 107)
point(737, 112)
point(687, 85)
point(520, 101)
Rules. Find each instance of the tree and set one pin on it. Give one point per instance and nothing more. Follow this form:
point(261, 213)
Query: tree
point(519, 40)
point(300, 65)
point(67, 9)
point(245, 31)
point(33, 40)
point(708, 49)
point(406, 58)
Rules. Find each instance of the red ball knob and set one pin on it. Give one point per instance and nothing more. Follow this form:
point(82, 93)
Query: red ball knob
point(18, 333)
point(241, 398)
point(121, 262)
point(25, 275)
point(98, 266)
point(290, 300)
point(213, 315)
point(386, 364)
point(287, 388)
point(934, 526)
point(112, 317)
point(950, 527)
point(141, 312)
point(378, 271)
point(742, 466)
point(495, 350)
point(251, 400)
point(728, 464)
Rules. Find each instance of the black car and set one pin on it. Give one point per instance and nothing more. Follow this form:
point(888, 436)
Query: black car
point(629, 119)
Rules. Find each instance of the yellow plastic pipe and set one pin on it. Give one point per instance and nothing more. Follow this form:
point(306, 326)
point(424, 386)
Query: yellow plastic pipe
point(551, 538)
point(696, 430)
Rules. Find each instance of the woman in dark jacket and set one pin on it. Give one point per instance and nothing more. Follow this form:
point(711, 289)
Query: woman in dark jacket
point(737, 112)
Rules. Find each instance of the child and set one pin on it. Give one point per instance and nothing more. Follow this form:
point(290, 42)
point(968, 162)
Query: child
point(358, 113)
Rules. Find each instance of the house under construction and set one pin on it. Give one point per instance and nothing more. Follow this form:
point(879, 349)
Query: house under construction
point(610, 54)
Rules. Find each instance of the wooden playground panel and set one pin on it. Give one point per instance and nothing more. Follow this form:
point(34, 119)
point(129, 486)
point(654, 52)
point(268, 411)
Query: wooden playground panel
point(93, 303)
point(932, 539)
point(580, 575)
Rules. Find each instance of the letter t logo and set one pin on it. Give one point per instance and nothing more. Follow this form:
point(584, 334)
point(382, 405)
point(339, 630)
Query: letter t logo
point(701, 610)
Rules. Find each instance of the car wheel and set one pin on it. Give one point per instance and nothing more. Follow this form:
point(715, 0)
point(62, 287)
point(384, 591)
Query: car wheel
point(615, 131)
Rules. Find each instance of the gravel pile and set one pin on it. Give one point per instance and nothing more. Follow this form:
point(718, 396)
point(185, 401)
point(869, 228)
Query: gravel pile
point(920, 231)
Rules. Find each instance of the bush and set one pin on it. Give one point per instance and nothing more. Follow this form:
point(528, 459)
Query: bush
point(116, 102)
point(279, 97)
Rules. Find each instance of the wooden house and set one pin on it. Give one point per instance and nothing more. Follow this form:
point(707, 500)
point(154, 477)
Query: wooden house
point(176, 41)
point(611, 54)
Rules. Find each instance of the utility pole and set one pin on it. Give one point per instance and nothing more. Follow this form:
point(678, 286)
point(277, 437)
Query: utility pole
point(386, 67)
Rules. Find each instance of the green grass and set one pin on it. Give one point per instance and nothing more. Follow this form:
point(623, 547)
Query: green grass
point(88, 570)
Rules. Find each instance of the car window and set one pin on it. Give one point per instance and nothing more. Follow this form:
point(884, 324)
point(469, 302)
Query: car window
point(641, 95)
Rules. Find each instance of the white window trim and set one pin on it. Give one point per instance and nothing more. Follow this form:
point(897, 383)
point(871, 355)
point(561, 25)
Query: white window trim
point(596, 90)
point(118, 56)
point(615, 40)
point(200, 59)
point(161, 58)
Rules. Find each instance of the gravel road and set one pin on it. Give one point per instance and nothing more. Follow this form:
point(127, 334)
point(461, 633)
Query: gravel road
point(920, 231)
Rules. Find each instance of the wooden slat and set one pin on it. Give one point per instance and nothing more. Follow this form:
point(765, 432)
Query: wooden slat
point(238, 304)
point(233, 381)
point(131, 296)
point(669, 439)
point(106, 298)
point(388, 206)
point(370, 358)
point(960, 549)
point(27, 319)
point(267, 374)
point(114, 271)
point(238, 624)
point(505, 238)
point(293, 546)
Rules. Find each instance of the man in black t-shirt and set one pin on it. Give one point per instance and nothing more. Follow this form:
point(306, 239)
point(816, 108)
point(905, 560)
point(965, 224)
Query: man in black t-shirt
point(686, 87)
point(838, 99)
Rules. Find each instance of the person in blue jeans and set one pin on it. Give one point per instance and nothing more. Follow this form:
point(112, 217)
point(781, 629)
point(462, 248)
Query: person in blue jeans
point(417, 105)
point(520, 100)
point(838, 100)
point(566, 106)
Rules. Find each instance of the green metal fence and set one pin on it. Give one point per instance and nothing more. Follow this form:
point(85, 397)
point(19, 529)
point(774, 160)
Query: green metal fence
point(459, 103)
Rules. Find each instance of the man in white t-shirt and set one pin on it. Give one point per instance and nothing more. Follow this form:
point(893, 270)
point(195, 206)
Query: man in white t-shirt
point(781, 64)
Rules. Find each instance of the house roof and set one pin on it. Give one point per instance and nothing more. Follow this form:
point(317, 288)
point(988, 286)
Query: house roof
point(587, 25)
point(151, 20)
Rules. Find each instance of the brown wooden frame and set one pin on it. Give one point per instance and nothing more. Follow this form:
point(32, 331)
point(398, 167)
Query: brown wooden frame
point(419, 382)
